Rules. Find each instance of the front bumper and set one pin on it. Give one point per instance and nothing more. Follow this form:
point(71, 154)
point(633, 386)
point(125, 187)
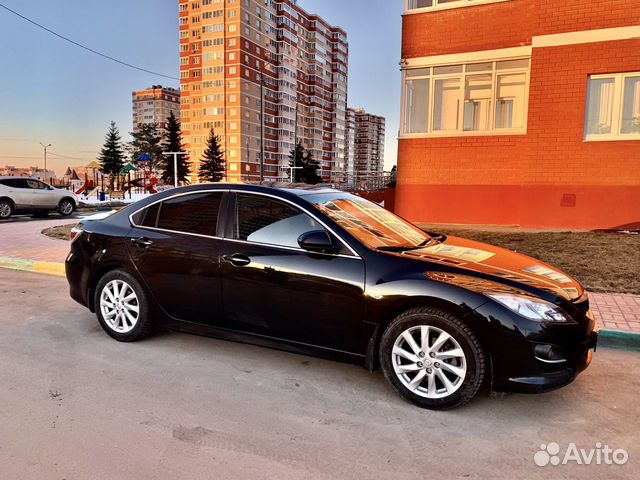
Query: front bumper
point(517, 365)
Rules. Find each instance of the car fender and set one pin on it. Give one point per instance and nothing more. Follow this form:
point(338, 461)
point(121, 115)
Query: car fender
point(459, 296)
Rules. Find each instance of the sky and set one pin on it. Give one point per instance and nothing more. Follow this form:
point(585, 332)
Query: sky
point(57, 93)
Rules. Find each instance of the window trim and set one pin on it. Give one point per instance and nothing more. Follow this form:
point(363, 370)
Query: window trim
point(448, 6)
point(315, 217)
point(226, 237)
point(462, 133)
point(618, 109)
point(156, 229)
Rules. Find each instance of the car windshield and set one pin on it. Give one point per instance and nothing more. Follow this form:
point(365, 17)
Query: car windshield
point(370, 223)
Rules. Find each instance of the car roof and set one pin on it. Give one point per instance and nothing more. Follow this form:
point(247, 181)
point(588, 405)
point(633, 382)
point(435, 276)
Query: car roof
point(9, 177)
point(298, 189)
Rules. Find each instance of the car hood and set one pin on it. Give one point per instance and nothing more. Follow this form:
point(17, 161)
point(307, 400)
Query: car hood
point(498, 265)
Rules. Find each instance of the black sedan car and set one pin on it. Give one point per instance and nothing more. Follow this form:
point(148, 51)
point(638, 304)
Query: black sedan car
point(328, 273)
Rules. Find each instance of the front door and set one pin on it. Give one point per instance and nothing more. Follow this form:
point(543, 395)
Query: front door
point(41, 195)
point(175, 247)
point(272, 287)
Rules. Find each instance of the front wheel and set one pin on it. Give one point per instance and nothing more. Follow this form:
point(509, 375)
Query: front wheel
point(122, 307)
point(432, 359)
point(6, 209)
point(66, 207)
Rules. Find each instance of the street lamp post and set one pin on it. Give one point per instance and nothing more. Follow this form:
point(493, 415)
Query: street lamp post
point(45, 147)
point(261, 127)
point(175, 165)
point(292, 171)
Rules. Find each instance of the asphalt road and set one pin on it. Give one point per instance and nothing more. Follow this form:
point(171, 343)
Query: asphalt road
point(75, 404)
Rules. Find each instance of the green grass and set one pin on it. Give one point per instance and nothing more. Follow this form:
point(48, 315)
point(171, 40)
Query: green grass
point(603, 262)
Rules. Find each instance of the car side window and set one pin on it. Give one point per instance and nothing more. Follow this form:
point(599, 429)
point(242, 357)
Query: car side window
point(195, 213)
point(147, 217)
point(35, 185)
point(16, 183)
point(264, 220)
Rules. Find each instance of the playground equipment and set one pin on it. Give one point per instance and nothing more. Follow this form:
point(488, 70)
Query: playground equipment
point(149, 183)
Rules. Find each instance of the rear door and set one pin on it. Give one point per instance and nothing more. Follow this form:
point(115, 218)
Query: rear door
point(19, 191)
point(175, 246)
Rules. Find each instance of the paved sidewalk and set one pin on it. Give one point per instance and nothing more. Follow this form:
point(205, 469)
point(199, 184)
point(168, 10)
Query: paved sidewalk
point(617, 311)
point(21, 239)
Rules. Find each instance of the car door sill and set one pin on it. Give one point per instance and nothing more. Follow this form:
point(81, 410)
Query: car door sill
point(266, 341)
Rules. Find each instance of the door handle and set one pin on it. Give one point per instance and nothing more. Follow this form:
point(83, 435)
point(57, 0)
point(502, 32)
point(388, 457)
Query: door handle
point(237, 260)
point(143, 242)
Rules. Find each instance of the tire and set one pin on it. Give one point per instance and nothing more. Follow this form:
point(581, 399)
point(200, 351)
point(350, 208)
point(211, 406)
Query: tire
point(118, 318)
point(6, 209)
point(422, 379)
point(66, 207)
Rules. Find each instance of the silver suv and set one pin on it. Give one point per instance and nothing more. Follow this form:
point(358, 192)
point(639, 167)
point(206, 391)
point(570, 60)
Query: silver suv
point(27, 195)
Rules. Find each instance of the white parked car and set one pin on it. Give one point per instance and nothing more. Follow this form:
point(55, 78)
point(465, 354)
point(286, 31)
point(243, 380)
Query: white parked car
point(27, 195)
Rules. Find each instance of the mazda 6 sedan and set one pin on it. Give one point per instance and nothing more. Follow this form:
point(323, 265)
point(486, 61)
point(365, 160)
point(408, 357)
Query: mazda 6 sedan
point(323, 272)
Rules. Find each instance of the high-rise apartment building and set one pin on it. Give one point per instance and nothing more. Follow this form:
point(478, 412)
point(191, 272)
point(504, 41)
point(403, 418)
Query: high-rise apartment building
point(350, 148)
point(264, 74)
point(368, 144)
point(154, 105)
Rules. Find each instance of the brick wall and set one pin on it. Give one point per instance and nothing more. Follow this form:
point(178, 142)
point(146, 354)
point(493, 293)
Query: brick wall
point(550, 176)
point(508, 24)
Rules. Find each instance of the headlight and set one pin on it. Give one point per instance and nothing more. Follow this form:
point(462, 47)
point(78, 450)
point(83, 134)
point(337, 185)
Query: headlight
point(533, 309)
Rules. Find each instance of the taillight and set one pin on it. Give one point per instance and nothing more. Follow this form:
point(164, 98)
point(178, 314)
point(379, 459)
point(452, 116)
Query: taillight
point(75, 232)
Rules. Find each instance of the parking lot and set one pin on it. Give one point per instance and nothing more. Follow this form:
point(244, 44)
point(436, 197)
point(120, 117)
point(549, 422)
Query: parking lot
point(76, 404)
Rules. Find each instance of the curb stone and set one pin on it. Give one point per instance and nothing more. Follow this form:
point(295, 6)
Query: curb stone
point(619, 339)
point(33, 266)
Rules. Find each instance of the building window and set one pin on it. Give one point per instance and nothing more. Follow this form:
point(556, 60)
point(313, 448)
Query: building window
point(414, 6)
point(467, 99)
point(613, 107)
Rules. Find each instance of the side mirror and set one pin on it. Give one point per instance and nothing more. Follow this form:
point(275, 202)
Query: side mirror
point(317, 241)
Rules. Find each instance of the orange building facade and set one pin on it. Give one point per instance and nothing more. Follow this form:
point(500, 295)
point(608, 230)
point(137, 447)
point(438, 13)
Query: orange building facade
point(520, 112)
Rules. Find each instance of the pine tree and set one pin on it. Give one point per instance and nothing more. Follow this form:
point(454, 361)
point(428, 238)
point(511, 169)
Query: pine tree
point(147, 140)
point(299, 157)
point(212, 166)
point(173, 143)
point(112, 154)
point(310, 168)
point(394, 177)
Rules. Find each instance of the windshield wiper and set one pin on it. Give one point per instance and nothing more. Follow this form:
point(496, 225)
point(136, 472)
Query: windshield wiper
point(405, 248)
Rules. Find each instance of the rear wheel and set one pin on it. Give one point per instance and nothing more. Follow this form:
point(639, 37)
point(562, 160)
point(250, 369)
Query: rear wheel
point(66, 207)
point(432, 359)
point(122, 307)
point(6, 209)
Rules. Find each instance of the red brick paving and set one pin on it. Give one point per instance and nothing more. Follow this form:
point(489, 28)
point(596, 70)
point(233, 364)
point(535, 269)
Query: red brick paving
point(617, 311)
point(21, 238)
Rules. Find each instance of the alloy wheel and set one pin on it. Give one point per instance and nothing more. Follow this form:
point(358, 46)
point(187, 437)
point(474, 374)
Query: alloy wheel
point(119, 306)
point(5, 210)
point(66, 208)
point(429, 362)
